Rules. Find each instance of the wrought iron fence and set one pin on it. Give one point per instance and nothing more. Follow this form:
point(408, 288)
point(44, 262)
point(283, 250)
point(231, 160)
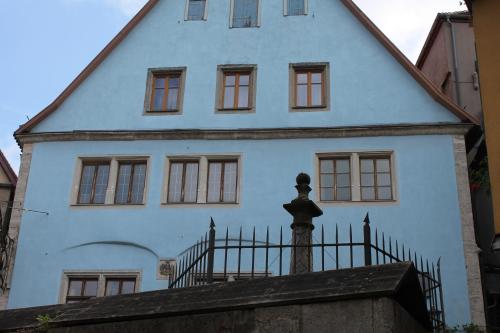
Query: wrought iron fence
point(213, 260)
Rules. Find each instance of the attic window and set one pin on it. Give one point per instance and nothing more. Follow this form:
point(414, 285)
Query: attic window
point(295, 7)
point(196, 10)
point(165, 91)
point(244, 13)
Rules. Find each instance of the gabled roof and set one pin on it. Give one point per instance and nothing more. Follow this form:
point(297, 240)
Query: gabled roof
point(355, 10)
point(461, 16)
point(5, 166)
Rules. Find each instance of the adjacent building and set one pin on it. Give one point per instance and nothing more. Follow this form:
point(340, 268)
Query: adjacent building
point(202, 109)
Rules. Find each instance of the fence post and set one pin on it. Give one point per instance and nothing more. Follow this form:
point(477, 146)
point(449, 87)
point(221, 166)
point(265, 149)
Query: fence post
point(303, 210)
point(367, 240)
point(211, 250)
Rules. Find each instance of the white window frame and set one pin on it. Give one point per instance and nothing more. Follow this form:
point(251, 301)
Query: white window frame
point(186, 12)
point(112, 179)
point(354, 157)
point(231, 13)
point(203, 160)
point(101, 276)
point(285, 8)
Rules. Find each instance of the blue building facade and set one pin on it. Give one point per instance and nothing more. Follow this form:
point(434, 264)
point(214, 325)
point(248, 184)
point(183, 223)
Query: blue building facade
point(204, 109)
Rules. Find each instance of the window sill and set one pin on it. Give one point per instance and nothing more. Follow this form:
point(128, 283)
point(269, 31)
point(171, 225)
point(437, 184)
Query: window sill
point(253, 26)
point(309, 108)
point(92, 206)
point(361, 202)
point(200, 204)
point(235, 111)
point(162, 113)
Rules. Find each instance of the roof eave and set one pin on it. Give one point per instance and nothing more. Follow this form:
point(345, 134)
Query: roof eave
point(9, 172)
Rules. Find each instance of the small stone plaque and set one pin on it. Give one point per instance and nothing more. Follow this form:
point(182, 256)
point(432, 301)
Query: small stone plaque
point(165, 269)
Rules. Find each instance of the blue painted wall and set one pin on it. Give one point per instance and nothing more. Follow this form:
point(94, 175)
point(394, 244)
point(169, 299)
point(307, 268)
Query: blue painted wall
point(368, 86)
point(425, 218)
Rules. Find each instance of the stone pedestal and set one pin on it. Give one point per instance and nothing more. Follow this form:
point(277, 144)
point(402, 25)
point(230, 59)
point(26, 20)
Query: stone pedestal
point(303, 211)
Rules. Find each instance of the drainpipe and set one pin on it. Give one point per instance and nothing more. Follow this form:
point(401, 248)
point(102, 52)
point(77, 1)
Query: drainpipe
point(455, 61)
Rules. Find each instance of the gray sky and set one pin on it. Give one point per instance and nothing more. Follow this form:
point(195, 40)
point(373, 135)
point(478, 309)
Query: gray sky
point(56, 55)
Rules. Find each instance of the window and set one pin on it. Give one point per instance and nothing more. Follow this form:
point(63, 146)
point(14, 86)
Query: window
point(183, 182)
point(205, 179)
point(236, 88)
point(222, 180)
point(93, 182)
point(376, 181)
point(245, 13)
point(165, 91)
point(335, 179)
point(78, 286)
point(356, 177)
point(130, 182)
point(81, 289)
point(309, 86)
point(295, 7)
point(196, 10)
point(119, 286)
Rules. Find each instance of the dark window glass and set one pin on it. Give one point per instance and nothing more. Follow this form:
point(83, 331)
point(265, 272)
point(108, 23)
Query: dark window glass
point(165, 92)
point(119, 286)
point(93, 183)
point(130, 183)
point(183, 181)
point(236, 90)
point(245, 13)
point(375, 174)
point(296, 7)
point(196, 9)
point(80, 289)
point(222, 181)
point(335, 179)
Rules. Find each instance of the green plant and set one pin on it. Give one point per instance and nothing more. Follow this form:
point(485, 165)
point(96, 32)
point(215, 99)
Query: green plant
point(469, 328)
point(43, 322)
point(480, 175)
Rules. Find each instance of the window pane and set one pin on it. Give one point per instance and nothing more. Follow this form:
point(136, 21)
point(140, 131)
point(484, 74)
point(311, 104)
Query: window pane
point(367, 179)
point(326, 166)
point(75, 287)
point(122, 187)
point(159, 82)
point(367, 193)
point(230, 179)
point(245, 13)
point(383, 165)
point(173, 82)
point(112, 287)
point(172, 99)
point(101, 184)
point(316, 78)
point(326, 180)
point(326, 194)
point(366, 165)
point(383, 179)
point(86, 184)
point(158, 99)
point(196, 9)
point(230, 80)
point(243, 97)
point(343, 193)
point(128, 287)
point(343, 166)
point(90, 288)
point(302, 78)
point(229, 97)
point(191, 182)
point(175, 182)
point(343, 180)
point(384, 193)
point(138, 181)
point(301, 95)
point(316, 98)
point(214, 179)
point(296, 7)
point(244, 80)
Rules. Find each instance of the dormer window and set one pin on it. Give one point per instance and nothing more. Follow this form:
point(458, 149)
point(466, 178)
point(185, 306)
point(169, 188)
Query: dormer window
point(244, 13)
point(295, 7)
point(196, 10)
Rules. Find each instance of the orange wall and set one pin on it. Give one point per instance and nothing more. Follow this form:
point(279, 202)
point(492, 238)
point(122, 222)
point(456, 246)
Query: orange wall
point(486, 15)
